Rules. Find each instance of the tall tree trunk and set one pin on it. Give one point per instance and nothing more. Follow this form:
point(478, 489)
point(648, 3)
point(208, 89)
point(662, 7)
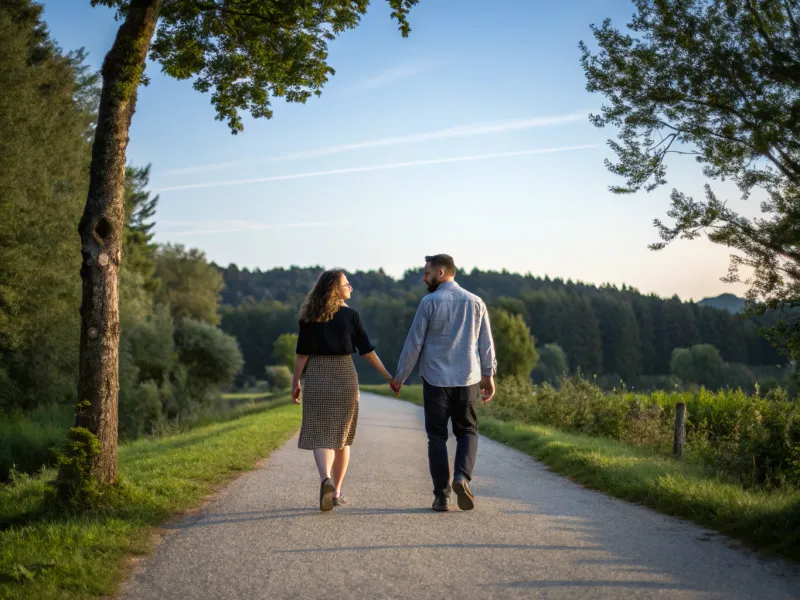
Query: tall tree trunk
point(101, 232)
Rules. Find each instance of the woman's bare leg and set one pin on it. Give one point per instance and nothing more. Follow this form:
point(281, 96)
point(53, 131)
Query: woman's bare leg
point(340, 467)
point(324, 457)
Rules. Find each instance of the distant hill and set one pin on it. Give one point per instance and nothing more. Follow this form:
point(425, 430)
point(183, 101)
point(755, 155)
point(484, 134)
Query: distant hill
point(730, 302)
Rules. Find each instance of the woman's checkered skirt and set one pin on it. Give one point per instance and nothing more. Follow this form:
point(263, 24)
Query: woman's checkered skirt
point(330, 402)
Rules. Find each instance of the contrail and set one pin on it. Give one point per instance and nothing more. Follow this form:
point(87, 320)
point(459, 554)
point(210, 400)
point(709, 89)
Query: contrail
point(460, 131)
point(386, 167)
point(236, 226)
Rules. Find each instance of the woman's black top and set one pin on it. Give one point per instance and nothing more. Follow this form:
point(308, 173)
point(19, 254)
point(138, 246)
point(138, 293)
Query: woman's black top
point(341, 335)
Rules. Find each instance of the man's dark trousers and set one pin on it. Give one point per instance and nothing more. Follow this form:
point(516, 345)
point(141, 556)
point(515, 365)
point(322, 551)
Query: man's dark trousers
point(458, 404)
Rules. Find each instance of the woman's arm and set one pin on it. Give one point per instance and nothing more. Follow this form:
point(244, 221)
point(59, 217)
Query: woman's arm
point(372, 358)
point(300, 361)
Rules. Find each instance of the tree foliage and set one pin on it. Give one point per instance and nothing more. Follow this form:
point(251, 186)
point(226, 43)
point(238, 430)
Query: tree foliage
point(247, 52)
point(283, 351)
point(717, 80)
point(514, 344)
point(259, 306)
point(189, 285)
point(700, 364)
point(279, 377)
point(551, 366)
point(212, 357)
point(46, 115)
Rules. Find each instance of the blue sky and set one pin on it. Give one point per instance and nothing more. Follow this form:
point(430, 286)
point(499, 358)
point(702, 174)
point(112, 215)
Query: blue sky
point(469, 137)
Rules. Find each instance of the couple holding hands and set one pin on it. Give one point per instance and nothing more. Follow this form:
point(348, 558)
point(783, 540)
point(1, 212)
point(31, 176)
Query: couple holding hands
point(450, 336)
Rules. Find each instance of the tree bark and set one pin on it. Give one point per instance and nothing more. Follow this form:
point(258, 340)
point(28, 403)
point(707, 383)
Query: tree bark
point(101, 234)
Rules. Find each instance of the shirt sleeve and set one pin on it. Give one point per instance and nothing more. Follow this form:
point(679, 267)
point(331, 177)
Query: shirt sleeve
point(360, 336)
point(303, 340)
point(414, 341)
point(486, 346)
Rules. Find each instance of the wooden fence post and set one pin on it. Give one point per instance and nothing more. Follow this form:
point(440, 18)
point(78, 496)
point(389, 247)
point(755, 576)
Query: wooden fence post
point(680, 429)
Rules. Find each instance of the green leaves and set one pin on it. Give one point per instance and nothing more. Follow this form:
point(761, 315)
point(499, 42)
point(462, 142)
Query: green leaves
point(246, 52)
point(718, 80)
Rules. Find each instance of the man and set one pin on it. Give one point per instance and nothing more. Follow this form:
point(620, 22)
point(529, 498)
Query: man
point(452, 339)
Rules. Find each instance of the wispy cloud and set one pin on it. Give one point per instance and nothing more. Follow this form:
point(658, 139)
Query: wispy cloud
point(384, 167)
point(389, 77)
point(461, 131)
point(215, 227)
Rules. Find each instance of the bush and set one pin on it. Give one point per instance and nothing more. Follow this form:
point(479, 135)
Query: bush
point(514, 344)
point(31, 441)
point(700, 364)
point(140, 410)
point(284, 350)
point(151, 346)
point(737, 375)
point(754, 439)
point(210, 356)
point(279, 377)
point(768, 384)
point(552, 365)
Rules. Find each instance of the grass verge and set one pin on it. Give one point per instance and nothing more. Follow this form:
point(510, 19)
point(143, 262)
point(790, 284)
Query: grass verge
point(766, 520)
point(44, 556)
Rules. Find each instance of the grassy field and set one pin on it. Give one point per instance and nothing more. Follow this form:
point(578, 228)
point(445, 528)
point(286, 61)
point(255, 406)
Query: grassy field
point(767, 520)
point(43, 556)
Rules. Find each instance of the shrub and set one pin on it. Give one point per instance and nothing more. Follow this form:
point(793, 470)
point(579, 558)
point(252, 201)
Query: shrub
point(754, 439)
point(737, 375)
point(283, 350)
point(210, 356)
point(140, 410)
point(515, 346)
point(279, 377)
point(552, 365)
point(28, 442)
point(700, 364)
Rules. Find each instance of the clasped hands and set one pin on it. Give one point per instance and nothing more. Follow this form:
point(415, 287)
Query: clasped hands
point(394, 384)
point(486, 386)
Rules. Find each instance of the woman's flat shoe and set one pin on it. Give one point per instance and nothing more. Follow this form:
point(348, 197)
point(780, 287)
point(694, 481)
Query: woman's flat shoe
point(326, 492)
point(339, 500)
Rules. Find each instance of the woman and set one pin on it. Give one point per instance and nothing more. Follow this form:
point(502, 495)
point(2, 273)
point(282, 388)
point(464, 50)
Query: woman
point(330, 332)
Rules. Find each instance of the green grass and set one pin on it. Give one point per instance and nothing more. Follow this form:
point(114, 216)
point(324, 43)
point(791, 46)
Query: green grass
point(30, 441)
point(42, 556)
point(766, 520)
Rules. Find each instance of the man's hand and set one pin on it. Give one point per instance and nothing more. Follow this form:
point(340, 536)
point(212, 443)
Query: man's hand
point(487, 388)
point(296, 389)
point(396, 385)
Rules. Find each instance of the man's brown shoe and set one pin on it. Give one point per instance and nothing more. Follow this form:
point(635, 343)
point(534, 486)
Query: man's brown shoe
point(466, 501)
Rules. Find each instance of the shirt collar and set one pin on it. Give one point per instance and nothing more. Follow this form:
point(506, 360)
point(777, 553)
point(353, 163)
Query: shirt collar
point(446, 285)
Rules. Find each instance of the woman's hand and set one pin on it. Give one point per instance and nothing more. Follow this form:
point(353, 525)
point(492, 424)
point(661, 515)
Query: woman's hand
point(296, 390)
point(387, 377)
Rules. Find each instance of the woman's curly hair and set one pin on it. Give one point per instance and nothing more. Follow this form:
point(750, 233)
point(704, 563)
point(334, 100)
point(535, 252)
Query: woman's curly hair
point(323, 302)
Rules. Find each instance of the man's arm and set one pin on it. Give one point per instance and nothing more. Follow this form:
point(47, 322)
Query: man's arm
point(486, 346)
point(487, 357)
point(413, 345)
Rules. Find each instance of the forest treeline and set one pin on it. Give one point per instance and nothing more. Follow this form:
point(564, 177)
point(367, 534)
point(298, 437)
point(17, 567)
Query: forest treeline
point(615, 333)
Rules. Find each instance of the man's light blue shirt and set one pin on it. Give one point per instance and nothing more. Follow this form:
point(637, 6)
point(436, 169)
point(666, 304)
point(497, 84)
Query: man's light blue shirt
point(452, 339)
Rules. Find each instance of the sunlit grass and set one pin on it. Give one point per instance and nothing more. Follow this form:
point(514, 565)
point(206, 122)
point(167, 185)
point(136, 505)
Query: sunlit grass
point(45, 556)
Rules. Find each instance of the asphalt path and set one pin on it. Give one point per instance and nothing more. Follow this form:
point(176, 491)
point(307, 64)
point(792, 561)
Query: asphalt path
point(533, 534)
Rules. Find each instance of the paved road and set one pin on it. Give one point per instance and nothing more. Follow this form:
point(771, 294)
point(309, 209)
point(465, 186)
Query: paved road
point(533, 534)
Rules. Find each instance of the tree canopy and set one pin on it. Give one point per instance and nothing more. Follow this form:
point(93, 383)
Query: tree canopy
point(247, 52)
point(717, 80)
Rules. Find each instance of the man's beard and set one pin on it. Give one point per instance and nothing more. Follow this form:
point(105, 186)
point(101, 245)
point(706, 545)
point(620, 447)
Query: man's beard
point(433, 285)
